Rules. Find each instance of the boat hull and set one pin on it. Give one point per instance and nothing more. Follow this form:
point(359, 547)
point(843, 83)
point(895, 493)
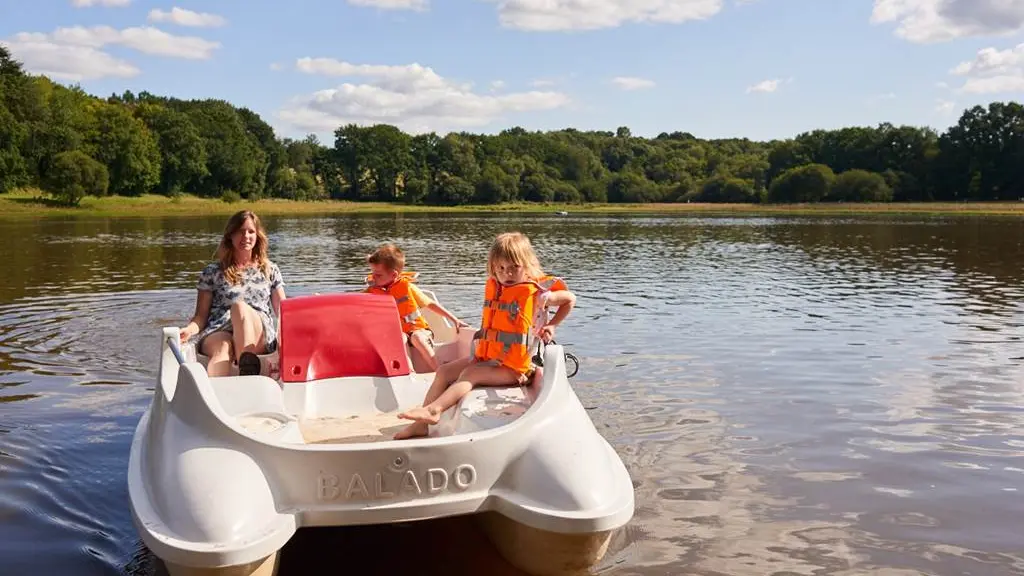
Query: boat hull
point(541, 552)
point(223, 471)
point(266, 567)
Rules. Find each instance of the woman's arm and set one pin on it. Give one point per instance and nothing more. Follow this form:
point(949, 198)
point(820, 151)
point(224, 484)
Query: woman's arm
point(275, 300)
point(276, 290)
point(199, 319)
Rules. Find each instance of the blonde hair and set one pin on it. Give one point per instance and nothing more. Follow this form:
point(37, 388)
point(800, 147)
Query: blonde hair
point(226, 249)
point(389, 256)
point(516, 248)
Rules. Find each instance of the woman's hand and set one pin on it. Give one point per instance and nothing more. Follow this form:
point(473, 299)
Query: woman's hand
point(546, 333)
point(187, 332)
point(459, 325)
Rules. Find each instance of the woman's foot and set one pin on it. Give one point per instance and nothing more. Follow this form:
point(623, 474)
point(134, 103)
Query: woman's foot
point(249, 364)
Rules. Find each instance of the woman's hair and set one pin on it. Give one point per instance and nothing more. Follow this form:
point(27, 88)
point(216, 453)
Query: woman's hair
point(226, 249)
point(388, 255)
point(514, 247)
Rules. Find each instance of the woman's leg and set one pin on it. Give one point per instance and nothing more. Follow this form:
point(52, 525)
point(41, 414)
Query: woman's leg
point(248, 330)
point(474, 375)
point(217, 346)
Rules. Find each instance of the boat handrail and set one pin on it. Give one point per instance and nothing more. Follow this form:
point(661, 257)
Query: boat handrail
point(176, 350)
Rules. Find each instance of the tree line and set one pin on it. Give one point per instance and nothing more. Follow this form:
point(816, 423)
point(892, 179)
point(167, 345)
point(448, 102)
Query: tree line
point(71, 144)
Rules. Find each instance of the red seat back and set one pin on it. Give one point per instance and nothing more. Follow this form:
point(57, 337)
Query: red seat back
point(338, 335)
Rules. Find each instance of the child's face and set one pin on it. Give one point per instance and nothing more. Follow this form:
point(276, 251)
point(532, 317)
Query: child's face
point(508, 273)
point(382, 275)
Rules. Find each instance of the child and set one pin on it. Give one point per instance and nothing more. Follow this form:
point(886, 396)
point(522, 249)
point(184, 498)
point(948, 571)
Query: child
point(388, 278)
point(513, 302)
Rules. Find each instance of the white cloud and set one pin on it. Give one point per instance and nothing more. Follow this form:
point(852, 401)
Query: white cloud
point(68, 62)
point(75, 53)
point(945, 107)
point(497, 85)
point(276, 67)
point(542, 83)
point(552, 15)
point(993, 71)
point(926, 21)
point(764, 86)
point(994, 85)
point(392, 4)
point(632, 83)
point(992, 61)
point(89, 3)
point(413, 97)
point(183, 17)
point(147, 40)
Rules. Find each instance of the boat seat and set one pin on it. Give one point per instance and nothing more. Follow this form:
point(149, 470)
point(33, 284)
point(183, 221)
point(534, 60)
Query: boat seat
point(341, 335)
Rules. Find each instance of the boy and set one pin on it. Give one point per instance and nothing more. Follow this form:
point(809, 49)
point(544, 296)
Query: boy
point(387, 276)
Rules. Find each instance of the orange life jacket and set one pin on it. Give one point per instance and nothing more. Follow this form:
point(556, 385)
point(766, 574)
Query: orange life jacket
point(504, 333)
point(551, 282)
point(408, 309)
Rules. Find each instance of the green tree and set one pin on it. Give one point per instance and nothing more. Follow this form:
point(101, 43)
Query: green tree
point(182, 151)
point(73, 176)
point(808, 183)
point(126, 147)
point(859, 186)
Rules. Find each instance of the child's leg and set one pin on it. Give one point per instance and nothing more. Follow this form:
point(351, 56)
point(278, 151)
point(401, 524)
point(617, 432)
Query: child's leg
point(422, 341)
point(472, 376)
point(444, 376)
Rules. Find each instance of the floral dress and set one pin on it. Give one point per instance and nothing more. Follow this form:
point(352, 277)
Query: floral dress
point(254, 289)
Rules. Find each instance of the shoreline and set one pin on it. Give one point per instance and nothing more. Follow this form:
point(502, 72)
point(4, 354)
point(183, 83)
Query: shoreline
point(31, 204)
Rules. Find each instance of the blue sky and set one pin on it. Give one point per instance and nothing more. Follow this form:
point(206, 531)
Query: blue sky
point(716, 68)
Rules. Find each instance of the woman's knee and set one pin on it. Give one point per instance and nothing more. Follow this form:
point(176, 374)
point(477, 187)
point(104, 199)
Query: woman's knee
point(240, 310)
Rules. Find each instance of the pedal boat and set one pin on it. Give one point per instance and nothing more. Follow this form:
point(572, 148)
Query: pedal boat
point(223, 471)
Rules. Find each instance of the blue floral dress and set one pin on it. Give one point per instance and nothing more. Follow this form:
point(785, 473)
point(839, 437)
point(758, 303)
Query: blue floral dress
point(254, 289)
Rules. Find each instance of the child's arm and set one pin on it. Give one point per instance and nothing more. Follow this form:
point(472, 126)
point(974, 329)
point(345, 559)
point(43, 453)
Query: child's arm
point(565, 301)
point(441, 310)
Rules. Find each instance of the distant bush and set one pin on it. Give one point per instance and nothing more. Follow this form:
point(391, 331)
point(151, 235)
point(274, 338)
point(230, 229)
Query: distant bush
point(859, 186)
point(230, 197)
point(75, 175)
point(808, 183)
point(724, 189)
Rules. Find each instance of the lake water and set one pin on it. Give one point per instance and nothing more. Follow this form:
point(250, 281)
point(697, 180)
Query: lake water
point(791, 396)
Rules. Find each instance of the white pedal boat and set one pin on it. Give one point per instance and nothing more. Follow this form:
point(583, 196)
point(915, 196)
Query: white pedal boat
point(223, 471)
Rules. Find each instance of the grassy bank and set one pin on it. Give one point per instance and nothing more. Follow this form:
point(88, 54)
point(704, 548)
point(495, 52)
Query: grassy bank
point(32, 203)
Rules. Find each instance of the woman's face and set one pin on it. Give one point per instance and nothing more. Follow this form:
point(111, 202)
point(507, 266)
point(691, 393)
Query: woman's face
point(244, 239)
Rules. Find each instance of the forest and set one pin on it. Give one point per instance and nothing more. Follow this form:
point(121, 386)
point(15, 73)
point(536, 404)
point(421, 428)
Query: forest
point(71, 144)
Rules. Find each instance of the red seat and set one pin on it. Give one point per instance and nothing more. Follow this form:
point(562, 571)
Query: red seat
point(339, 335)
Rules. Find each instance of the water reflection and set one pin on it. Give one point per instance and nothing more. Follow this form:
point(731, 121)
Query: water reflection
point(799, 396)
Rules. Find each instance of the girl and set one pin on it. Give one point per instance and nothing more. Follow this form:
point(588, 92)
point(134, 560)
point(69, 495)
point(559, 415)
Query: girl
point(513, 317)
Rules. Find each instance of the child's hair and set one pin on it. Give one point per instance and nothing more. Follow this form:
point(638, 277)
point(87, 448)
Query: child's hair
point(514, 247)
point(388, 255)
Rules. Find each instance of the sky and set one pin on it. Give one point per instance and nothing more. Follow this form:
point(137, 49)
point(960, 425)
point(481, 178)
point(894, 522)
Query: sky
point(762, 69)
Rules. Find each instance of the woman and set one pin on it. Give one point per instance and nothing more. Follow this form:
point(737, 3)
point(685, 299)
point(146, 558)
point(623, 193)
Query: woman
point(237, 294)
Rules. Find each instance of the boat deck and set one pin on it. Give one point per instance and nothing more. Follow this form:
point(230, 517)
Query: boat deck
point(484, 408)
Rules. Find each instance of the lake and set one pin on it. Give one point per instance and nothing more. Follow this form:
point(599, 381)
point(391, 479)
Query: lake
point(790, 395)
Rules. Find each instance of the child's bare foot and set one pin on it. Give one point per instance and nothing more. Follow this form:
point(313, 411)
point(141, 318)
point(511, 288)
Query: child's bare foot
point(412, 431)
point(425, 414)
